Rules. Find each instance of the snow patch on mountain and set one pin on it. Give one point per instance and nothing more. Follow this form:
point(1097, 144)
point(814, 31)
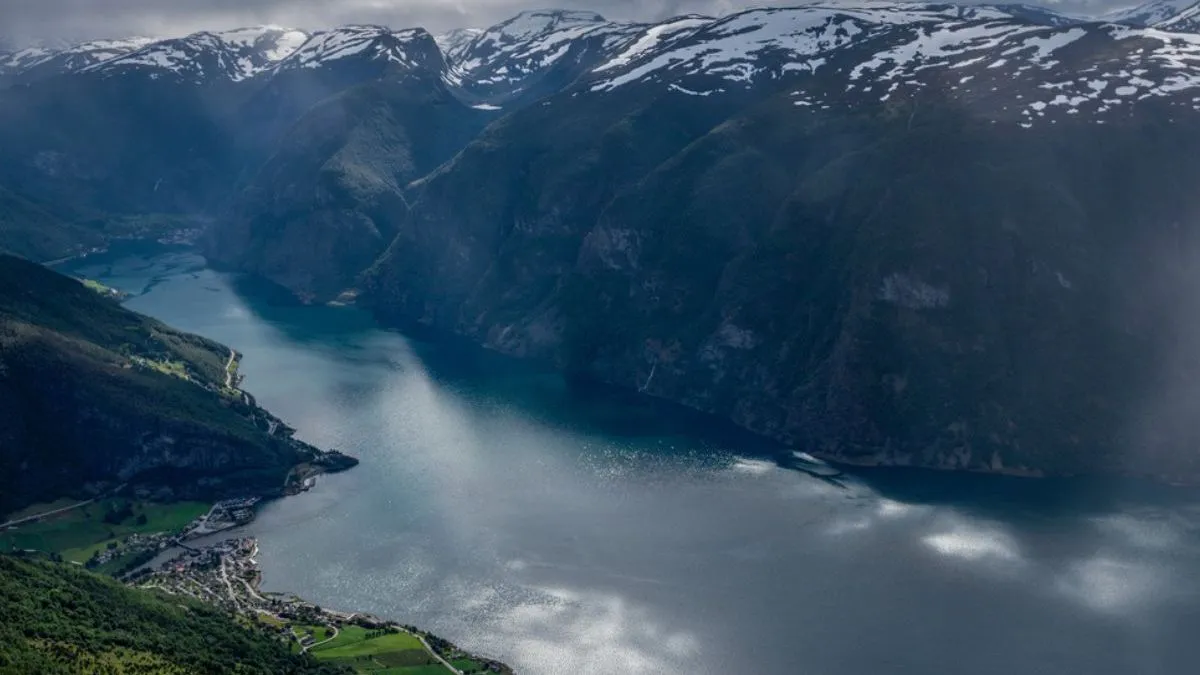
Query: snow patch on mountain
point(995, 65)
point(739, 47)
point(506, 55)
point(453, 42)
point(376, 43)
point(234, 54)
point(73, 57)
point(528, 25)
point(653, 37)
point(1149, 13)
point(1187, 20)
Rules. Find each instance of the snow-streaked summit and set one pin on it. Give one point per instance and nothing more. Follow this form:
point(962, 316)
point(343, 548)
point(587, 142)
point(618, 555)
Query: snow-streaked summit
point(740, 46)
point(1187, 20)
point(509, 57)
point(229, 55)
point(410, 48)
point(851, 53)
point(48, 61)
point(453, 42)
point(533, 23)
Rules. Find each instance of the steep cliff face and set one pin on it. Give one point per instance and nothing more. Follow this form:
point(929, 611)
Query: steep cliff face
point(323, 207)
point(93, 396)
point(904, 283)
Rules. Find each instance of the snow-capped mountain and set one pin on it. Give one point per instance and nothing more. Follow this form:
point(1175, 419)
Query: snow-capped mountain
point(452, 42)
point(1150, 13)
point(1187, 20)
point(225, 55)
point(834, 50)
point(411, 48)
point(34, 63)
point(508, 59)
point(1037, 14)
point(841, 52)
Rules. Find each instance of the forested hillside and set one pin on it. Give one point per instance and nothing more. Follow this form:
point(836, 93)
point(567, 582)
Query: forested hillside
point(58, 619)
point(95, 395)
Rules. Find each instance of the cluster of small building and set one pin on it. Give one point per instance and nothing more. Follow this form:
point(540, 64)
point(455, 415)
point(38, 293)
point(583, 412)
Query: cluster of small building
point(183, 236)
point(132, 545)
point(222, 516)
point(226, 574)
point(209, 557)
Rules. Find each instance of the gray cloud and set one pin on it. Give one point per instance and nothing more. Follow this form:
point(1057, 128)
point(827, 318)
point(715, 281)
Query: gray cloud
point(39, 20)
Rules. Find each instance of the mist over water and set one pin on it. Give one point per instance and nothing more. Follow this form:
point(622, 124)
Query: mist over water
point(579, 531)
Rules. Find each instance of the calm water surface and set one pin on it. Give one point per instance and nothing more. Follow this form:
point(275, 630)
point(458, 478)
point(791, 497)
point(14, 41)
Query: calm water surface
point(569, 532)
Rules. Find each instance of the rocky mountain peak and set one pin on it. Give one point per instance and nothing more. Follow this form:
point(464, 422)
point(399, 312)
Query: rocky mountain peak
point(452, 42)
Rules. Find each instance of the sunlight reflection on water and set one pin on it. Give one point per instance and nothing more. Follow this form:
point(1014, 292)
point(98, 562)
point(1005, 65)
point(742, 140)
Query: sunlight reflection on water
point(497, 507)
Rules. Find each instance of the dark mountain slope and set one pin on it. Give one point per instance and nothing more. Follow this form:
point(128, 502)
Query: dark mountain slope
point(178, 127)
point(929, 290)
point(323, 207)
point(95, 395)
point(29, 229)
point(118, 144)
point(64, 620)
point(329, 63)
point(906, 282)
point(569, 161)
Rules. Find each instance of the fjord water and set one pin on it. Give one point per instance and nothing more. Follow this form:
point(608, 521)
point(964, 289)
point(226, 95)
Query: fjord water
point(566, 530)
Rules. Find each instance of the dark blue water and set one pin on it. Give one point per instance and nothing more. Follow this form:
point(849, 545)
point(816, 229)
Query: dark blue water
point(573, 531)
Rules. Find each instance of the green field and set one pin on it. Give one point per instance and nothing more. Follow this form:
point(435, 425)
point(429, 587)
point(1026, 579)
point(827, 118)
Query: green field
point(271, 621)
point(435, 669)
point(390, 642)
point(319, 633)
point(372, 652)
point(78, 533)
point(102, 289)
point(467, 665)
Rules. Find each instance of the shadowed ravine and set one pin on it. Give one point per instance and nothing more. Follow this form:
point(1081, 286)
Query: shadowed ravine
point(572, 531)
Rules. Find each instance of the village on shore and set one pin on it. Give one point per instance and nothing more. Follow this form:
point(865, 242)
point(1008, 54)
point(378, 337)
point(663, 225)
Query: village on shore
point(226, 574)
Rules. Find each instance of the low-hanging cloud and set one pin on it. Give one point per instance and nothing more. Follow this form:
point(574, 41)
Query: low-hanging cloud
point(28, 21)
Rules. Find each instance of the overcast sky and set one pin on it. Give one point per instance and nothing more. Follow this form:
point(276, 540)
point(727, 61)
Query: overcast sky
point(23, 21)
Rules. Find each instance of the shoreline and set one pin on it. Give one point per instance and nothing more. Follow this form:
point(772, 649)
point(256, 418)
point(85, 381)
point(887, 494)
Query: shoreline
point(228, 575)
point(841, 461)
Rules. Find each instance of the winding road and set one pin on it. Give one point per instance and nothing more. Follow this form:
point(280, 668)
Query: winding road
point(316, 644)
point(229, 370)
point(437, 656)
point(225, 578)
